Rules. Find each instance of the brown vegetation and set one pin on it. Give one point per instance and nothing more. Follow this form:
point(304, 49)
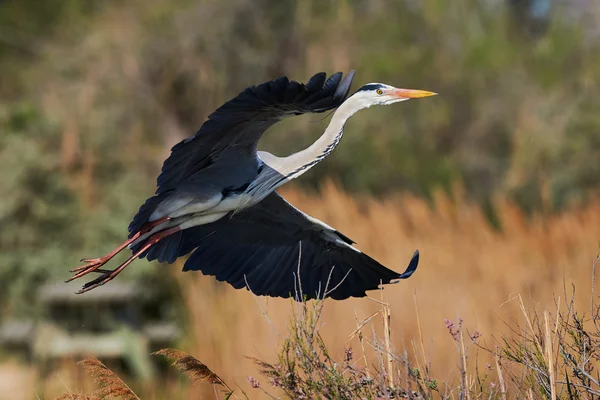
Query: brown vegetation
point(551, 355)
point(468, 270)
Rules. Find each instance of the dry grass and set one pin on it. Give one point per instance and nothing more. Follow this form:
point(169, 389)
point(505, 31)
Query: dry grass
point(111, 386)
point(468, 271)
point(553, 355)
point(502, 288)
point(192, 368)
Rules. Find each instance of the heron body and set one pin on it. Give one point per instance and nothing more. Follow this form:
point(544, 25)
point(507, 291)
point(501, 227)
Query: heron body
point(216, 197)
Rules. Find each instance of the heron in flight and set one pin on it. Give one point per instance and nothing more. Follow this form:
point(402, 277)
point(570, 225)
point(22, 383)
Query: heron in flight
point(216, 197)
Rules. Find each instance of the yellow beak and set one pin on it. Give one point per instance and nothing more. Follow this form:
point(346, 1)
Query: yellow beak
point(411, 93)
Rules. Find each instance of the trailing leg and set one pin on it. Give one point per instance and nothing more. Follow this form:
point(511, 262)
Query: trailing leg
point(109, 275)
point(93, 264)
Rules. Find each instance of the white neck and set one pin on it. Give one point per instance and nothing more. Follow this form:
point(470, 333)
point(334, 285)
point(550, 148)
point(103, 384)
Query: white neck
point(298, 163)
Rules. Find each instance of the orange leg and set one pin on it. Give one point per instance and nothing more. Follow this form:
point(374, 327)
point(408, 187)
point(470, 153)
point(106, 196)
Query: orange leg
point(108, 276)
point(93, 264)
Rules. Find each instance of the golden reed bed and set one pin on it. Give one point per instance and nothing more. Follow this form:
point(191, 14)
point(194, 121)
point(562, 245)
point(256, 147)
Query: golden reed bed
point(468, 270)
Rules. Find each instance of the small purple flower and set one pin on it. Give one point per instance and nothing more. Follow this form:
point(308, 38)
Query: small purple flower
point(349, 354)
point(253, 382)
point(454, 332)
point(275, 382)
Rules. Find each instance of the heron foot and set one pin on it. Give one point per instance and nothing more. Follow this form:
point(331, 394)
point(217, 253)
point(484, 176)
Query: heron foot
point(109, 275)
point(93, 264)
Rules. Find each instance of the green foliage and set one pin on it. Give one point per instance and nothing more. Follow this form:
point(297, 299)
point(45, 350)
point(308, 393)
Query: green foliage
point(44, 217)
point(35, 210)
point(93, 94)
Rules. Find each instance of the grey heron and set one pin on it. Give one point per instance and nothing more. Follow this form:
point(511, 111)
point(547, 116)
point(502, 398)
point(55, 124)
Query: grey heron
point(216, 197)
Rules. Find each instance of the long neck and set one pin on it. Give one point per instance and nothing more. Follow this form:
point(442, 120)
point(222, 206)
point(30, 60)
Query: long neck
point(298, 163)
point(280, 170)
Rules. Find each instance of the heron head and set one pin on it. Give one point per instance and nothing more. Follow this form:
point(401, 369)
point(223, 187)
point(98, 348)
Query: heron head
point(382, 94)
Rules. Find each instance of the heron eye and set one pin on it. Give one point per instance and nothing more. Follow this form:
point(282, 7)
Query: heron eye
point(379, 91)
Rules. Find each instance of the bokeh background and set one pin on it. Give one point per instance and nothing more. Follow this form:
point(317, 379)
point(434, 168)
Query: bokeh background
point(495, 180)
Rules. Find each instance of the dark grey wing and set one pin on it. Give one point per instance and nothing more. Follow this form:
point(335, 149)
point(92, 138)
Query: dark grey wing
point(237, 125)
point(269, 245)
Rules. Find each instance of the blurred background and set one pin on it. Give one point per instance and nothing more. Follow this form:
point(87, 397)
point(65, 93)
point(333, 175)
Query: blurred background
point(495, 181)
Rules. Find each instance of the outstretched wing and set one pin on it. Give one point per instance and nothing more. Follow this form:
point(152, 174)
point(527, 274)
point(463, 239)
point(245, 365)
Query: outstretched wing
point(236, 126)
point(276, 250)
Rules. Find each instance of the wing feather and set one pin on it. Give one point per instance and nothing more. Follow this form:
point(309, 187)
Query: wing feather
point(260, 246)
point(239, 123)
